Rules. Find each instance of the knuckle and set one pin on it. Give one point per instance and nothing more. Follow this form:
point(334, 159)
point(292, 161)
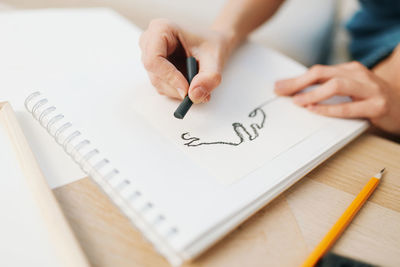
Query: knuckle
point(359, 68)
point(382, 107)
point(344, 110)
point(355, 65)
point(170, 75)
point(317, 70)
point(155, 82)
point(161, 25)
point(216, 77)
point(336, 85)
point(149, 63)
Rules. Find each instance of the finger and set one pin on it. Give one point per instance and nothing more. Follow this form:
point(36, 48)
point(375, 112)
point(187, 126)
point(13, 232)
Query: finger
point(202, 85)
point(335, 86)
point(315, 74)
point(166, 71)
point(208, 78)
point(163, 88)
point(157, 44)
point(352, 66)
point(161, 38)
point(358, 109)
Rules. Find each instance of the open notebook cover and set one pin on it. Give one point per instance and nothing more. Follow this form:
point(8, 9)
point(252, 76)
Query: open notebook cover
point(183, 183)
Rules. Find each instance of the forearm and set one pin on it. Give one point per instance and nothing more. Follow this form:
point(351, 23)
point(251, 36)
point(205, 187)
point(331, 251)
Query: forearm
point(240, 17)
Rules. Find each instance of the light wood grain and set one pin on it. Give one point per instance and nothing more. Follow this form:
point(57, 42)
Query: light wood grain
point(373, 236)
point(351, 171)
point(107, 237)
point(66, 246)
point(282, 233)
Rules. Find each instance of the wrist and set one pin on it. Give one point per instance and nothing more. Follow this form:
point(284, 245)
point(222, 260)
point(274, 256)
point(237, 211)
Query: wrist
point(228, 41)
point(388, 69)
point(230, 36)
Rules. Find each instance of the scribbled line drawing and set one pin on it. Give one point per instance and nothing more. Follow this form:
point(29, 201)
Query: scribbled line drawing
point(240, 130)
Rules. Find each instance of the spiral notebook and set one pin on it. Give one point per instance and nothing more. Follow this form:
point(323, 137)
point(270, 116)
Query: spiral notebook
point(183, 183)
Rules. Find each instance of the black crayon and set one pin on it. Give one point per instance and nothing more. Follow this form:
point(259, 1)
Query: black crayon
point(191, 65)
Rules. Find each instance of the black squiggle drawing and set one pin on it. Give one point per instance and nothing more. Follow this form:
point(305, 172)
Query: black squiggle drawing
point(251, 134)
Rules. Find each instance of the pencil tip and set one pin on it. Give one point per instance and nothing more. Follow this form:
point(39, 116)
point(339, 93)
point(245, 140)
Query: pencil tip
point(379, 175)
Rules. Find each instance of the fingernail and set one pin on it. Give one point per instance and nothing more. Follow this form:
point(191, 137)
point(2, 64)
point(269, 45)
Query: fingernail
point(207, 99)
point(181, 92)
point(198, 94)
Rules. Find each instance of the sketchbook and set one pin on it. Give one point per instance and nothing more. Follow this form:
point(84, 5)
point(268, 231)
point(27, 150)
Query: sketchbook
point(183, 183)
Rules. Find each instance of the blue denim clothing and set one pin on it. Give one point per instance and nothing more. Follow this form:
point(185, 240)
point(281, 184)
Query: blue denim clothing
point(374, 31)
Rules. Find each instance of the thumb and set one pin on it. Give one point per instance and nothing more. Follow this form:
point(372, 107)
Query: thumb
point(205, 81)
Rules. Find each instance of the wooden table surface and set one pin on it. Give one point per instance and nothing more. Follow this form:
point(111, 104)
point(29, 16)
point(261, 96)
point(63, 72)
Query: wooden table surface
point(280, 234)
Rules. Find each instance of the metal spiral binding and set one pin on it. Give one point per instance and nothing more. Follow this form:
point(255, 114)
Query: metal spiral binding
point(80, 150)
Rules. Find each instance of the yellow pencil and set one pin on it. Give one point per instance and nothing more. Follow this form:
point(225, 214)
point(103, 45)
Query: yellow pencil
point(343, 221)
